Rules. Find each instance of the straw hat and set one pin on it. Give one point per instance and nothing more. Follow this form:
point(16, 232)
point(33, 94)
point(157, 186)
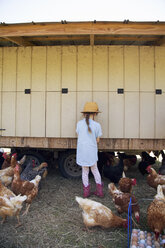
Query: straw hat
point(91, 107)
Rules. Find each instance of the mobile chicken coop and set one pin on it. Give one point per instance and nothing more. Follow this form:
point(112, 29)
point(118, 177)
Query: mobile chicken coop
point(49, 70)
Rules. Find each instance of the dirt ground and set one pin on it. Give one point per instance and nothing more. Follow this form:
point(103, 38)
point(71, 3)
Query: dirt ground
point(55, 219)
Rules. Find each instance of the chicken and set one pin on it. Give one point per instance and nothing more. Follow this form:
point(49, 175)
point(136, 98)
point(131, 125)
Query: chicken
point(122, 200)
point(156, 213)
point(11, 207)
point(96, 214)
point(129, 160)
point(30, 172)
point(145, 162)
point(6, 175)
point(4, 191)
point(23, 187)
point(126, 184)
point(154, 179)
point(113, 168)
point(162, 167)
point(7, 160)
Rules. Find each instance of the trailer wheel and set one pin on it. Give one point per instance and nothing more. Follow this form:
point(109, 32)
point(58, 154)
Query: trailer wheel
point(38, 158)
point(68, 166)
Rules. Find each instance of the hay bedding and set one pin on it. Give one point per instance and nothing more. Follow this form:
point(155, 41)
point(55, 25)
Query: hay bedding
point(54, 219)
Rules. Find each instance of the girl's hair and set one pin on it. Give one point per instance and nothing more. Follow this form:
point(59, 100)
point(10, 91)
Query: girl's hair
point(87, 120)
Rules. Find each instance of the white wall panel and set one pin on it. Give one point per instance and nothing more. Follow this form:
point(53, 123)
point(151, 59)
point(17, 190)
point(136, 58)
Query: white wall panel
point(160, 68)
point(38, 68)
point(9, 68)
point(1, 51)
point(116, 69)
point(37, 114)
point(100, 68)
point(131, 117)
point(131, 68)
point(69, 67)
point(147, 115)
point(102, 117)
point(68, 115)
point(22, 114)
point(24, 68)
point(53, 68)
point(0, 88)
point(160, 116)
point(53, 114)
point(8, 113)
point(1, 113)
point(147, 69)
point(116, 115)
point(84, 64)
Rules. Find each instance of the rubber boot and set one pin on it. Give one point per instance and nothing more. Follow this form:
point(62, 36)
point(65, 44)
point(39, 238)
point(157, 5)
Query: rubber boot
point(99, 190)
point(86, 191)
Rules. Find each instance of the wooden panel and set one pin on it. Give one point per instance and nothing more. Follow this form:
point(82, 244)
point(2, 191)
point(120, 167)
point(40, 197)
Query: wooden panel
point(38, 68)
point(116, 115)
point(160, 116)
point(1, 132)
point(8, 113)
point(131, 115)
point(147, 69)
point(81, 28)
point(115, 68)
point(53, 68)
point(69, 68)
point(84, 82)
point(9, 69)
point(1, 51)
point(100, 68)
point(131, 64)
point(24, 68)
point(102, 117)
point(160, 68)
point(82, 98)
point(23, 114)
point(37, 114)
point(147, 115)
point(68, 115)
point(53, 114)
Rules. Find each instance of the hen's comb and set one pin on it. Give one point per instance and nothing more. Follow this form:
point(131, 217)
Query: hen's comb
point(134, 181)
point(14, 155)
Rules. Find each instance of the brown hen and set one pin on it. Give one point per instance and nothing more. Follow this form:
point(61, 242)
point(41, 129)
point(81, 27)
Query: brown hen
point(23, 187)
point(96, 214)
point(156, 213)
point(122, 200)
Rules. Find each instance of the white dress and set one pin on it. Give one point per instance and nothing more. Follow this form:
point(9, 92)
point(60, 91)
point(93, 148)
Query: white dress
point(87, 151)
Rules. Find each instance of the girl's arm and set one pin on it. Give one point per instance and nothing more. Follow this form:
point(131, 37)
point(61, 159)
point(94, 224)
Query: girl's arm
point(98, 139)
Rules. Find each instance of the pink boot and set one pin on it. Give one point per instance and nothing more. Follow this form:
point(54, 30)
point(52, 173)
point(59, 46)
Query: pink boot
point(99, 190)
point(86, 191)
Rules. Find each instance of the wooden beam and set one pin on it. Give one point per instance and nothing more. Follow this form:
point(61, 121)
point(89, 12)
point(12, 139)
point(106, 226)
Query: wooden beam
point(82, 28)
point(19, 41)
point(160, 42)
point(71, 143)
point(92, 39)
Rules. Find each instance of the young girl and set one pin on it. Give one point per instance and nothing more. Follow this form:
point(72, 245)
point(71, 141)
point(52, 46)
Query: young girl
point(89, 132)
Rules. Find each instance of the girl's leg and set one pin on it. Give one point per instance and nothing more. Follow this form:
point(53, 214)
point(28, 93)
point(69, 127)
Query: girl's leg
point(97, 177)
point(85, 175)
point(96, 174)
point(85, 180)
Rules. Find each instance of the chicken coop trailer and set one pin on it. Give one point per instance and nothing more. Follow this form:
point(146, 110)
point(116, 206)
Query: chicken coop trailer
point(49, 70)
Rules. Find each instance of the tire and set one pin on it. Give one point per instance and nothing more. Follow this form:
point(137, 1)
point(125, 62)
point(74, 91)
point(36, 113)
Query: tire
point(37, 157)
point(68, 166)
